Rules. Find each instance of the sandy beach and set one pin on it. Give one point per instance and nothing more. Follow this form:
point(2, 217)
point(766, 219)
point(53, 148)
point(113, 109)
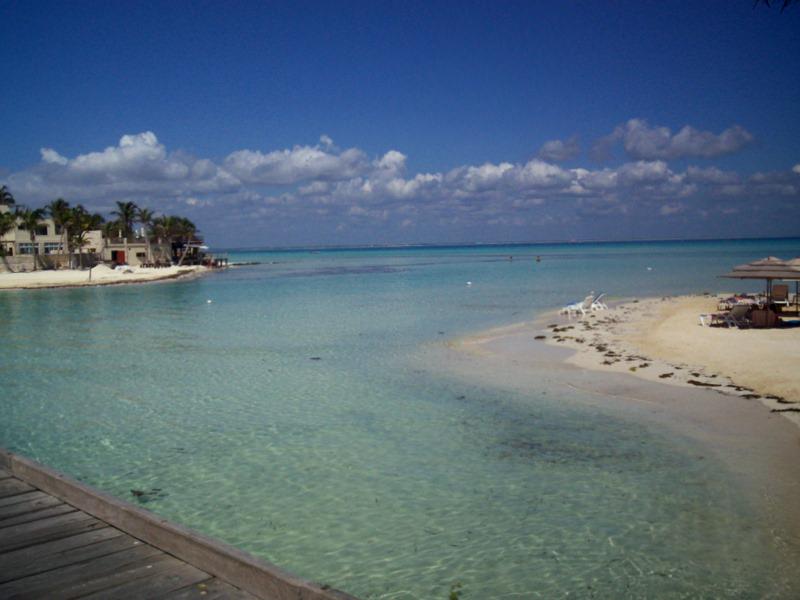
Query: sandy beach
point(733, 391)
point(99, 275)
point(661, 340)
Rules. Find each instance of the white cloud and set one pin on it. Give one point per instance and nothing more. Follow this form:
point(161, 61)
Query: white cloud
point(642, 141)
point(51, 156)
point(315, 187)
point(251, 187)
point(301, 163)
point(133, 154)
point(559, 150)
point(537, 173)
point(475, 179)
point(139, 163)
point(644, 172)
point(392, 162)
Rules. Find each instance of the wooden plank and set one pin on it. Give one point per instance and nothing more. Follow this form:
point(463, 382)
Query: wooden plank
point(37, 515)
point(63, 552)
point(27, 497)
point(260, 578)
point(35, 504)
point(13, 487)
point(176, 575)
point(213, 589)
point(28, 534)
point(77, 580)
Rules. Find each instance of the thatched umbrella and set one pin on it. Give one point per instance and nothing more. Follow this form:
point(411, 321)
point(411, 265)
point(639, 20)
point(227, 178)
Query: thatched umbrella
point(770, 268)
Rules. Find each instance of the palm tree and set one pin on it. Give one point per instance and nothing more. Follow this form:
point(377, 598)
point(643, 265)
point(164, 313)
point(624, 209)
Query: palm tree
point(126, 216)
point(8, 223)
point(145, 216)
point(82, 223)
point(165, 228)
point(186, 233)
point(30, 221)
point(62, 215)
point(5, 196)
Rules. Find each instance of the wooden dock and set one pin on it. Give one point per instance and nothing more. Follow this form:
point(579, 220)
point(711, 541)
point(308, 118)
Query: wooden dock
point(62, 539)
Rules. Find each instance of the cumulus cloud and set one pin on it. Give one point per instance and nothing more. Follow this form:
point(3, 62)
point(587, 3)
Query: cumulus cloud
point(51, 156)
point(135, 155)
point(393, 162)
point(641, 141)
point(138, 164)
point(346, 186)
point(301, 163)
point(559, 150)
point(506, 177)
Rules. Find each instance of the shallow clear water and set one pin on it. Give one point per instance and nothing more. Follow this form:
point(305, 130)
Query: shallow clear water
point(301, 415)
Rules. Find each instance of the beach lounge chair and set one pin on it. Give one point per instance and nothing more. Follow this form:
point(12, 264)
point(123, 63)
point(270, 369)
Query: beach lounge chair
point(780, 294)
point(737, 317)
point(598, 304)
point(578, 307)
point(709, 319)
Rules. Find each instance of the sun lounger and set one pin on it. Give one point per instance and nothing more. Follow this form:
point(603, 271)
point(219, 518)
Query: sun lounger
point(709, 319)
point(738, 317)
point(598, 304)
point(578, 307)
point(780, 294)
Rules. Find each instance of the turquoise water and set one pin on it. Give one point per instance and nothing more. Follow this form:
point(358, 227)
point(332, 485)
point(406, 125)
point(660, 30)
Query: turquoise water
point(301, 416)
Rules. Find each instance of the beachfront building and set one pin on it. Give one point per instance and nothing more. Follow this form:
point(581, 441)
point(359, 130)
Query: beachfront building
point(168, 240)
point(135, 251)
point(138, 251)
point(19, 250)
point(47, 245)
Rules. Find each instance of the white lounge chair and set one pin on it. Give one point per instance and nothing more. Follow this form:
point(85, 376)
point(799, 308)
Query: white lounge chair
point(737, 317)
point(578, 307)
point(598, 304)
point(780, 294)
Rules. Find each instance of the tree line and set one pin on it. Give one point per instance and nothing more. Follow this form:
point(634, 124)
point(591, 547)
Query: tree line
point(75, 222)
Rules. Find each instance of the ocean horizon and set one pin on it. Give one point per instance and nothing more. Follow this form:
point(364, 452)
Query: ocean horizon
point(422, 245)
point(301, 408)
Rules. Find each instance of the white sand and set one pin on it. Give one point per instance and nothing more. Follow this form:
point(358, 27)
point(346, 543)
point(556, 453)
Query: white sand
point(660, 339)
point(99, 275)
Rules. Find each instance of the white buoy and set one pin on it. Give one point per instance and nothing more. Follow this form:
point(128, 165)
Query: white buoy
point(208, 301)
point(469, 283)
point(649, 268)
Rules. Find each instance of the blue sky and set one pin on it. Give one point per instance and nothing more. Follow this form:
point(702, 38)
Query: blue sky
point(400, 122)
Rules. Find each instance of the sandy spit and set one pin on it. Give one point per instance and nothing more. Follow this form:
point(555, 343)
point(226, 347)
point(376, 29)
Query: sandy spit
point(661, 339)
point(645, 359)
